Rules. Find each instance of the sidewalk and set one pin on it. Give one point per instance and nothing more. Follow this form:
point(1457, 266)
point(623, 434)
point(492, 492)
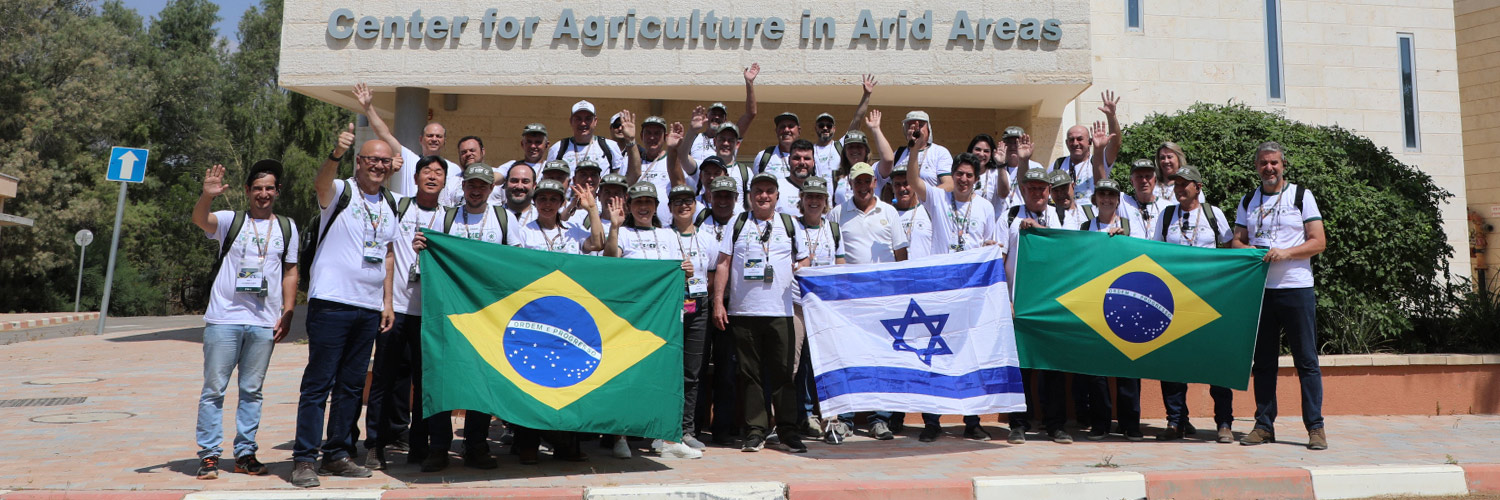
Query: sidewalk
point(134, 431)
point(20, 321)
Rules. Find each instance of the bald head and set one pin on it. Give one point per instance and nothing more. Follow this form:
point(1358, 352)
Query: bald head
point(375, 147)
point(1077, 142)
point(434, 136)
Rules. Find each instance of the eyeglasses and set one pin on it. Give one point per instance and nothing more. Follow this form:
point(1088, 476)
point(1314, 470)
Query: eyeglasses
point(681, 202)
point(383, 160)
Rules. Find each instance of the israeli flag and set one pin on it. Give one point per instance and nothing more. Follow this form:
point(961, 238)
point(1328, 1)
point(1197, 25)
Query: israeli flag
point(931, 335)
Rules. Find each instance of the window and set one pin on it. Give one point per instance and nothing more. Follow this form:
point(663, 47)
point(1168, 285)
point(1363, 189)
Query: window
point(1133, 15)
point(1274, 83)
point(1409, 127)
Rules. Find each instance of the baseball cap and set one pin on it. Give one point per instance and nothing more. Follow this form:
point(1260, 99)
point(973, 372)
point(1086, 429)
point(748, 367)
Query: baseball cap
point(583, 164)
point(1035, 175)
point(712, 161)
point(787, 114)
point(856, 137)
point(613, 180)
point(478, 170)
point(915, 115)
point(615, 119)
point(557, 165)
point(719, 106)
point(729, 126)
point(534, 128)
point(1142, 164)
point(267, 165)
point(655, 120)
point(1188, 172)
point(1013, 132)
point(763, 177)
point(552, 185)
point(583, 106)
point(1059, 177)
point(898, 168)
point(681, 190)
point(1107, 185)
point(724, 183)
point(822, 116)
point(642, 189)
point(815, 185)
point(859, 169)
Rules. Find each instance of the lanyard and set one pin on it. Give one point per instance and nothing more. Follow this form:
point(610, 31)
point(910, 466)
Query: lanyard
point(1191, 240)
point(654, 238)
point(1040, 217)
point(814, 238)
point(960, 225)
point(1263, 213)
point(551, 240)
point(681, 248)
point(765, 238)
point(373, 211)
point(579, 155)
point(482, 217)
point(262, 243)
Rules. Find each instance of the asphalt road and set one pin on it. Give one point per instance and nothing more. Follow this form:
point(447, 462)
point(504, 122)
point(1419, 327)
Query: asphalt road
point(134, 324)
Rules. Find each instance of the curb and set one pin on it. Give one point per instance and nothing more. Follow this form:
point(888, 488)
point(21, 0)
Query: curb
point(54, 320)
point(939, 489)
point(1247, 484)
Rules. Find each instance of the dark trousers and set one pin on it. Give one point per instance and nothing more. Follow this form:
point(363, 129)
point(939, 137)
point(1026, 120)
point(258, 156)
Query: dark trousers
point(694, 336)
point(340, 337)
point(476, 432)
point(1126, 406)
point(1174, 398)
point(388, 410)
point(722, 415)
point(1050, 394)
point(766, 346)
point(931, 420)
point(807, 393)
point(1290, 310)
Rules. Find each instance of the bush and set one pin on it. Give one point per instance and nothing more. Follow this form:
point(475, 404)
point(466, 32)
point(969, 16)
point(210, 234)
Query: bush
point(1387, 259)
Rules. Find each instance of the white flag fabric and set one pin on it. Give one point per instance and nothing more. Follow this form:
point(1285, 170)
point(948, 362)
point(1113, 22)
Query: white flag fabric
point(930, 335)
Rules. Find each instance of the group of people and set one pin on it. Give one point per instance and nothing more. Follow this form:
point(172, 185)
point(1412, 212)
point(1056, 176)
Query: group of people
point(740, 231)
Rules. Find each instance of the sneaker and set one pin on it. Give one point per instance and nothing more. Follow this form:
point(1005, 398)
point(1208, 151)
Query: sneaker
point(793, 443)
point(1017, 436)
point(929, 433)
point(837, 432)
point(305, 475)
point(1061, 437)
point(1169, 434)
point(1134, 435)
point(1317, 439)
point(435, 461)
point(1226, 435)
point(375, 459)
point(693, 442)
point(208, 468)
point(343, 467)
point(1258, 436)
point(1096, 434)
point(773, 439)
point(621, 449)
point(881, 431)
point(679, 450)
point(811, 426)
point(249, 465)
point(976, 433)
point(401, 445)
point(480, 461)
point(753, 444)
point(723, 439)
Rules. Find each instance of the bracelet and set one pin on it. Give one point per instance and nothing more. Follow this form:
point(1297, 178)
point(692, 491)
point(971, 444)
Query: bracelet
point(630, 145)
point(335, 157)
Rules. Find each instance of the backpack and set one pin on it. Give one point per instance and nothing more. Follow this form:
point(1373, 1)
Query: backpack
point(234, 232)
point(1208, 210)
point(765, 159)
point(1061, 214)
point(1088, 212)
point(786, 221)
point(1297, 199)
point(308, 248)
point(452, 215)
point(567, 144)
point(703, 215)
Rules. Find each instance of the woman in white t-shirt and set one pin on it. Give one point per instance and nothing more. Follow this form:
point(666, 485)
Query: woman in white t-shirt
point(700, 249)
point(551, 232)
point(1110, 219)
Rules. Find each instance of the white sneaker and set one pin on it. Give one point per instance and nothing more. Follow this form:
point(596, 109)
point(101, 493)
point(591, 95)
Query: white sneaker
point(693, 442)
point(679, 450)
point(621, 449)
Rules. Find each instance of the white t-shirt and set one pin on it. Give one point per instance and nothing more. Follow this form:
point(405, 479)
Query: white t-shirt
point(873, 236)
point(605, 152)
point(406, 295)
point(1167, 191)
point(340, 271)
point(821, 244)
point(657, 243)
point(1015, 199)
point(779, 163)
point(485, 227)
point(405, 180)
point(918, 227)
point(826, 160)
point(719, 231)
point(703, 147)
point(655, 172)
point(1148, 212)
point(1048, 218)
point(1135, 230)
point(959, 226)
point(777, 252)
point(229, 307)
point(791, 195)
point(702, 250)
point(1076, 217)
point(1275, 221)
point(1192, 228)
point(528, 215)
point(565, 238)
point(936, 162)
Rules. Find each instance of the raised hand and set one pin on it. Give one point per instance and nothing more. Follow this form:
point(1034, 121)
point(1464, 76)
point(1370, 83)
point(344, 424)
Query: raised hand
point(627, 125)
point(583, 198)
point(363, 95)
point(675, 133)
point(751, 72)
point(869, 84)
point(700, 118)
point(1101, 135)
point(1111, 103)
point(346, 140)
point(872, 120)
point(213, 181)
point(616, 209)
point(1024, 148)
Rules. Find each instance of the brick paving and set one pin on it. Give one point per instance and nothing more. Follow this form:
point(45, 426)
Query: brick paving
point(153, 379)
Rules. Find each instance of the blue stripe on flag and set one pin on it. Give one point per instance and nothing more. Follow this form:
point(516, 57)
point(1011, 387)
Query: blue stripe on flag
point(909, 281)
point(865, 379)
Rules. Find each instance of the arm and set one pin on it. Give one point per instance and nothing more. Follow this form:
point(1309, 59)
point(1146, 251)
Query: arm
point(1023, 150)
point(367, 102)
point(1002, 191)
point(675, 138)
point(616, 218)
point(628, 147)
point(596, 228)
point(329, 172)
point(1242, 237)
point(289, 279)
point(750, 104)
point(685, 148)
point(1111, 105)
point(864, 103)
point(882, 146)
point(213, 186)
point(1315, 244)
point(1100, 161)
point(721, 280)
point(388, 310)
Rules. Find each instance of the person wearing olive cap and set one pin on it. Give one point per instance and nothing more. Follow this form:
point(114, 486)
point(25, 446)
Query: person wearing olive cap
point(825, 246)
point(612, 201)
point(761, 253)
point(1050, 393)
point(723, 421)
point(726, 143)
point(1017, 150)
point(931, 162)
point(586, 176)
point(558, 170)
point(652, 163)
point(776, 159)
point(704, 143)
point(1144, 201)
point(1127, 405)
point(1197, 224)
point(533, 152)
point(701, 250)
point(585, 144)
point(709, 173)
point(1072, 214)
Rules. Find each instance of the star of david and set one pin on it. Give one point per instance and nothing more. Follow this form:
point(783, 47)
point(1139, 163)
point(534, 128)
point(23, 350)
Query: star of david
point(915, 316)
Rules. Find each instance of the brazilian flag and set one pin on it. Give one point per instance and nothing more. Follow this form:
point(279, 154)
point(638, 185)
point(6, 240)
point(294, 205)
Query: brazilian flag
point(1117, 306)
point(552, 341)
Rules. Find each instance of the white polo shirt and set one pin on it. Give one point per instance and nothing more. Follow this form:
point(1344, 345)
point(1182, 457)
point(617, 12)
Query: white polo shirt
point(1192, 228)
point(872, 236)
point(1275, 221)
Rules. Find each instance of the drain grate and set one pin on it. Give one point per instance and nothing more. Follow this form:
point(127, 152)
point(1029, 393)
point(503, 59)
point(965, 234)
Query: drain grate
point(23, 403)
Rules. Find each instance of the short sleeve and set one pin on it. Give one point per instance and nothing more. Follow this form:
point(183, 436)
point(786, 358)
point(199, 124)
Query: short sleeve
point(1240, 216)
point(708, 242)
point(799, 245)
point(943, 163)
point(222, 220)
point(838, 250)
point(1310, 210)
point(899, 239)
point(726, 247)
point(1225, 234)
point(289, 255)
point(1156, 226)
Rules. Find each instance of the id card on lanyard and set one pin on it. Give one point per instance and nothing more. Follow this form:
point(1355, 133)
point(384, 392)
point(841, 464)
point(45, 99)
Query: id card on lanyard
point(756, 268)
point(252, 279)
point(373, 251)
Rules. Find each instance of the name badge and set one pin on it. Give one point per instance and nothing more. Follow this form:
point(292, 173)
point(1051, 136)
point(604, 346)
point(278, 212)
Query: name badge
point(373, 252)
point(250, 280)
point(755, 270)
point(697, 287)
point(822, 262)
point(413, 274)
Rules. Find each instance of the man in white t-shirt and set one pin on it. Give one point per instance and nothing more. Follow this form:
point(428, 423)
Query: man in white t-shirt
point(1283, 218)
point(533, 153)
point(776, 159)
point(1034, 212)
point(826, 149)
point(470, 150)
point(650, 163)
point(434, 137)
point(249, 309)
point(1145, 202)
point(347, 306)
point(585, 144)
point(518, 186)
point(760, 258)
point(703, 144)
point(1103, 140)
point(934, 164)
point(723, 207)
point(914, 219)
point(1063, 187)
point(801, 165)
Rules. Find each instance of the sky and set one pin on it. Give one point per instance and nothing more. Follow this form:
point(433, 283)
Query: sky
point(229, 14)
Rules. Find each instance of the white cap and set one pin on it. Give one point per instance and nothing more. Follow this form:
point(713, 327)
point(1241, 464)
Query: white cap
point(583, 106)
point(612, 118)
point(914, 115)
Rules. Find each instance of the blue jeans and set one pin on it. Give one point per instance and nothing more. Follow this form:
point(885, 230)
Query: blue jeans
point(340, 338)
point(224, 348)
point(1291, 310)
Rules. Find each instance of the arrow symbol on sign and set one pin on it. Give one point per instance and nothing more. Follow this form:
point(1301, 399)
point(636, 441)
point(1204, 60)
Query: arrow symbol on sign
point(127, 165)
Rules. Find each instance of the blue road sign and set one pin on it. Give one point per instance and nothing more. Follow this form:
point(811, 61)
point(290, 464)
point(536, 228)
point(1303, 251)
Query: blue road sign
point(127, 164)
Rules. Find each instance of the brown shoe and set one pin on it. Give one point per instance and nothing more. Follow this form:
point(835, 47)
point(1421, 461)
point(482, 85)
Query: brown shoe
point(1258, 436)
point(1317, 439)
point(1226, 435)
point(1169, 434)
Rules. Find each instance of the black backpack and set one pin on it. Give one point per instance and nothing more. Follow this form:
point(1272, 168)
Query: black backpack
point(452, 215)
point(236, 225)
point(1208, 210)
point(1296, 198)
point(568, 144)
point(319, 231)
point(1088, 214)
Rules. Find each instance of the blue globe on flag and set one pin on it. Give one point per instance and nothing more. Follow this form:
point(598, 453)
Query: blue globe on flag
point(1138, 307)
point(553, 342)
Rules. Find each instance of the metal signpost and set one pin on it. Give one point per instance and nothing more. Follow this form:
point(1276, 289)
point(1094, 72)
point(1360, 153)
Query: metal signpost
point(126, 165)
point(82, 238)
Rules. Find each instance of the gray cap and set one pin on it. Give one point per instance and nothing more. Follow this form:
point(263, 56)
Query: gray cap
point(681, 190)
point(787, 114)
point(822, 116)
point(557, 165)
point(1059, 177)
point(856, 137)
point(730, 126)
point(724, 183)
point(1013, 132)
point(1188, 172)
point(613, 180)
point(585, 164)
point(654, 120)
point(1142, 164)
point(763, 177)
point(642, 189)
point(898, 168)
point(1035, 175)
point(915, 115)
point(534, 128)
point(479, 170)
point(551, 185)
point(719, 106)
point(1107, 185)
point(815, 185)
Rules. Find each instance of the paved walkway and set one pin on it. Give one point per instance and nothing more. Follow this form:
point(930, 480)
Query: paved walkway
point(135, 431)
point(17, 321)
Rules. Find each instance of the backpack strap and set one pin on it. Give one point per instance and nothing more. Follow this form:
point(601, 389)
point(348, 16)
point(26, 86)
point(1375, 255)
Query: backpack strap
point(235, 225)
point(389, 200)
point(739, 225)
point(1166, 220)
point(562, 147)
point(286, 235)
point(500, 217)
point(791, 232)
point(1213, 221)
point(1298, 197)
point(834, 226)
point(1062, 215)
point(1124, 222)
point(608, 158)
point(338, 208)
point(1014, 211)
point(1088, 212)
point(1056, 164)
point(450, 214)
point(702, 216)
point(839, 147)
point(402, 207)
point(765, 159)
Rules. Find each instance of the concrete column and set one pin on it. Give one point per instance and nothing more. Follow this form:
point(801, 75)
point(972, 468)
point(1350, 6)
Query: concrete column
point(411, 116)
